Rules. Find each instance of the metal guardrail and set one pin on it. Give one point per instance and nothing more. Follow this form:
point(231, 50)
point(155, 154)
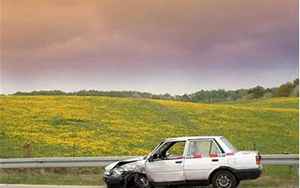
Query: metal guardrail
point(60, 162)
point(275, 159)
point(281, 159)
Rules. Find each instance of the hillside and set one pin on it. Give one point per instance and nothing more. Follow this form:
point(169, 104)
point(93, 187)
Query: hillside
point(88, 126)
point(283, 102)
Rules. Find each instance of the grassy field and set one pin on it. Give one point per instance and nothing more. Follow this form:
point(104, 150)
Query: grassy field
point(89, 126)
point(269, 103)
point(53, 176)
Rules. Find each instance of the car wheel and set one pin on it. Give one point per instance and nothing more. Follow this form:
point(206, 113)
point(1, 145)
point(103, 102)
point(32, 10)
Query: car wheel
point(139, 181)
point(224, 179)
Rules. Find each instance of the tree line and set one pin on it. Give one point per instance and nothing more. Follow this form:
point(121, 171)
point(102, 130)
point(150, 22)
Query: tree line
point(289, 89)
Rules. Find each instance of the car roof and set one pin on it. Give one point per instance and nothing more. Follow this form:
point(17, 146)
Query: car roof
point(191, 138)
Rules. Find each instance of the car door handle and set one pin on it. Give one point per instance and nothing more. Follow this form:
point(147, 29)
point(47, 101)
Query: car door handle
point(215, 160)
point(178, 162)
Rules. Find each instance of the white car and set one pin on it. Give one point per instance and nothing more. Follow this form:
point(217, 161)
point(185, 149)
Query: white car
point(201, 160)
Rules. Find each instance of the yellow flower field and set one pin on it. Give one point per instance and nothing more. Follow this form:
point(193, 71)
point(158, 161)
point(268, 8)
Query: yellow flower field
point(90, 126)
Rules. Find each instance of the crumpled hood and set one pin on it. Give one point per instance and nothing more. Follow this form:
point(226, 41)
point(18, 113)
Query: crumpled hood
point(125, 163)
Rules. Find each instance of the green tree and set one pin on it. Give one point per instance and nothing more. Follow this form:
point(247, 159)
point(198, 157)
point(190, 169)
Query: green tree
point(257, 92)
point(285, 90)
point(296, 82)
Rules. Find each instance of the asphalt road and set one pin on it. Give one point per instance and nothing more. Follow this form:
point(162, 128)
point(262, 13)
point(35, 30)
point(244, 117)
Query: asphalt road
point(46, 186)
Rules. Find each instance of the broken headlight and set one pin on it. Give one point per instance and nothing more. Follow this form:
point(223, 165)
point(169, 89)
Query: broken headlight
point(117, 171)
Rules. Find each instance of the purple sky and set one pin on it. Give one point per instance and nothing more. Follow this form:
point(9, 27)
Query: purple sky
point(174, 46)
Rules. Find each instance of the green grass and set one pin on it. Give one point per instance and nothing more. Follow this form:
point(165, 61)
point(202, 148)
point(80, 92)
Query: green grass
point(275, 177)
point(52, 176)
point(40, 126)
point(284, 102)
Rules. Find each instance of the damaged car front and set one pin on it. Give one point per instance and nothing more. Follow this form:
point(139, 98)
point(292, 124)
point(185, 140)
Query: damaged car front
point(126, 173)
point(129, 173)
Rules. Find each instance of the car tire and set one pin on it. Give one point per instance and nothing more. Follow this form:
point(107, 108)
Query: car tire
point(139, 181)
point(224, 179)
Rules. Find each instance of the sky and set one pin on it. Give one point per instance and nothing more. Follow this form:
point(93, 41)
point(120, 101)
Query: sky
point(159, 46)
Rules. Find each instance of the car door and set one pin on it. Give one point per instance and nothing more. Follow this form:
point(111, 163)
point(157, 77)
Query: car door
point(166, 167)
point(203, 157)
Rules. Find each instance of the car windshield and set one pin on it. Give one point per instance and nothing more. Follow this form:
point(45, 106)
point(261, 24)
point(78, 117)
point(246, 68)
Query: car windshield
point(156, 147)
point(229, 145)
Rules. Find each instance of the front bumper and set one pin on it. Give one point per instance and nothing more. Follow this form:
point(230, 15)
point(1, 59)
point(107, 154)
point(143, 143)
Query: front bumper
point(247, 174)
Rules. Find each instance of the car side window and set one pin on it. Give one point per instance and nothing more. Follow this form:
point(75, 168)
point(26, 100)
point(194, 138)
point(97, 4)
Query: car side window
point(214, 149)
point(203, 148)
point(176, 151)
point(170, 150)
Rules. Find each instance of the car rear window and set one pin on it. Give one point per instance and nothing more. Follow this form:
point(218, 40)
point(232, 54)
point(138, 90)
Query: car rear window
point(203, 148)
point(229, 145)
